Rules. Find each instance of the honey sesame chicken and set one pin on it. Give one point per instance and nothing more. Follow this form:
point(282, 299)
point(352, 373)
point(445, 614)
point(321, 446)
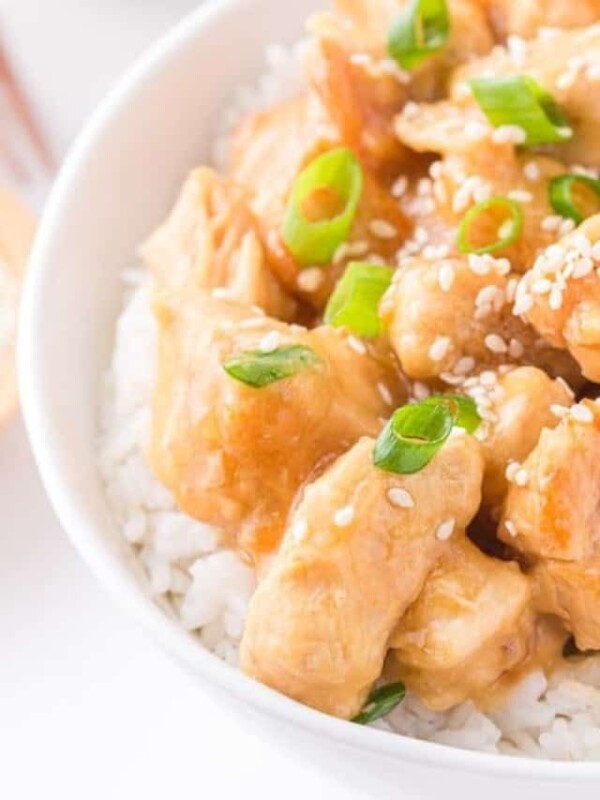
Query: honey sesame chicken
point(378, 341)
point(319, 624)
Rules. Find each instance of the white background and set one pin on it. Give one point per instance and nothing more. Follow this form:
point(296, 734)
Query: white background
point(89, 709)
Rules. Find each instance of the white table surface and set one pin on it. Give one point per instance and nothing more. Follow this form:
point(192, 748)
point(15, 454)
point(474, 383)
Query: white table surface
point(88, 707)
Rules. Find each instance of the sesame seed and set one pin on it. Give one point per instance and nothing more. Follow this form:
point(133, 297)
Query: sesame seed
point(439, 349)
point(532, 171)
point(446, 277)
point(581, 243)
point(451, 379)
point(511, 470)
point(515, 348)
point(556, 299)
point(420, 391)
point(509, 134)
point(356, 345)
point(521, 477)
point(582, 414)
point(400, 498)
point(511, 528)
point(400, 186)
point(360, 59)
point(488, 379)
point(551, 223)
point(309, 280)
point(479, 265)
point(541, 286)
point(299, 530)
point(558, 410)
point(383, 229)
point(520, 196)
point(385, 394)
point(464, 365)
point(475, 129)
point(583, 267)
point(445, 530)
point(495, 343)
point(523, 303)
point(269, 342)
point(344, 517)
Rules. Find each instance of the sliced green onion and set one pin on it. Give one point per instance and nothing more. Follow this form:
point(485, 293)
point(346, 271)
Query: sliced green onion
point(563, 191)
point(355, 300)
point(420, 30)
point(257, 368)
point(412, 437)
point(462, 408)
point(490, 226)
point(521, 101)
point(322, 207)
point(380, 702)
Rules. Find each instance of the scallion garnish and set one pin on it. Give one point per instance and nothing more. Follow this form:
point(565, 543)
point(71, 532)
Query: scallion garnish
point(412, 437)
point(519, 100)
point(322, 207)
point(575, 197)
point(415, 433)
point(355, 300)
point(420, 30)
point(380, 703)
point(490, 226)
point(463, 409)
point(257, 368)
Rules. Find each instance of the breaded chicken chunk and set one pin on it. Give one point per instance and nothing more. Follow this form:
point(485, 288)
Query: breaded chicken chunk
point(357, 551)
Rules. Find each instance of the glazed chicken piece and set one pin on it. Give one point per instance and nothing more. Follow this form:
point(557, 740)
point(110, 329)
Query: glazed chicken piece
point(470, 625)
point(474, 168)
point(552, 506)
point(567, 65)
point(526, 17)
point(234, 455)
point(571, 591)
point(364, 88)
point(560, 296)
point(516, 405)
point(356, 553)
point(268, 171)
point(453, 317)
point(211, 240)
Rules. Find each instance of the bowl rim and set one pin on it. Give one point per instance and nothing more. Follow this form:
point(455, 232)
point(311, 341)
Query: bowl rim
point(78, 521)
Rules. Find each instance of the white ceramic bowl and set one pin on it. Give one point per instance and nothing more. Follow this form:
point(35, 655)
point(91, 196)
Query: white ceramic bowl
point(119, 180)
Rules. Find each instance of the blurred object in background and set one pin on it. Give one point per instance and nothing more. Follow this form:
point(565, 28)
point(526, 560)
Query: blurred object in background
point(26, 164)
point(17, 229)
point(26, 168)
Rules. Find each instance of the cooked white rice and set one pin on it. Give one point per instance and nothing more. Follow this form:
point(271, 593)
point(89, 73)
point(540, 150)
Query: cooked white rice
point(209, 587)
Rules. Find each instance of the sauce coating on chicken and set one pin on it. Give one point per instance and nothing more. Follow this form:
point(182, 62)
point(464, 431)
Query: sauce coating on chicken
point(379, 350)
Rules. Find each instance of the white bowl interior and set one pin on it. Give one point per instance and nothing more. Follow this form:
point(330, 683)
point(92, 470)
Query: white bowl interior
point(121, 177)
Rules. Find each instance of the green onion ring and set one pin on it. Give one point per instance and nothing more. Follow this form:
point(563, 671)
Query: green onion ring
point(463, 408)
point(421, 29)
point(315, 243)
point(380, 702)
point(514, 225)
point(355, 300)
point(258, 369)
point(519, 100)
point(412, 437)
point(561, 195)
